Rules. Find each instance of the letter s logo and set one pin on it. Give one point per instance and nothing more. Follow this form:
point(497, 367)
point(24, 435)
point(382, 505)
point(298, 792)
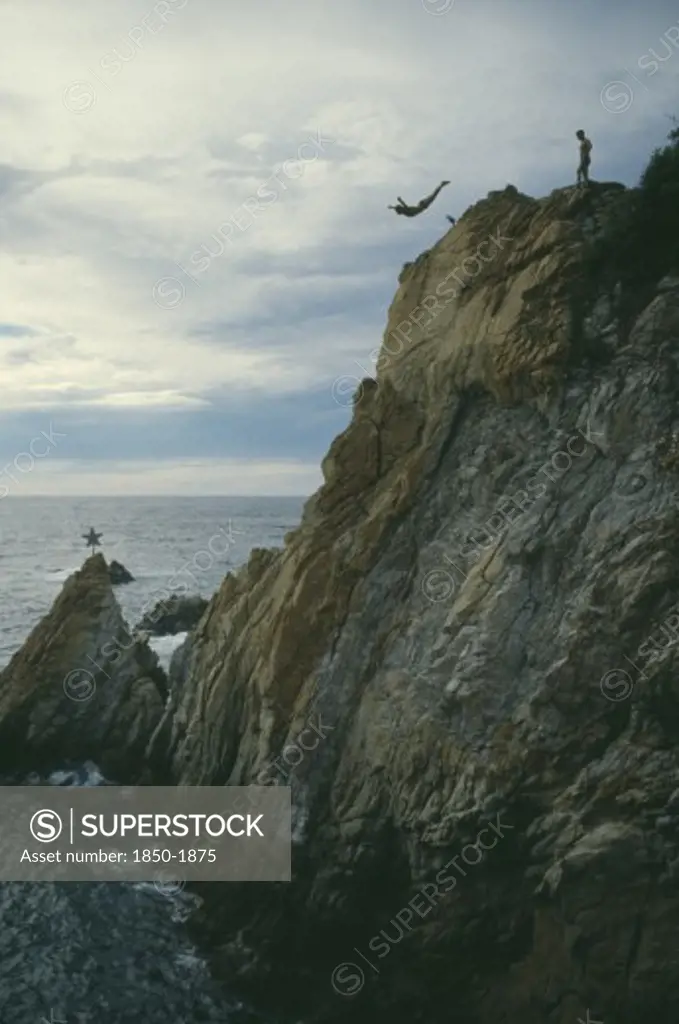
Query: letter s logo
point(46, 826)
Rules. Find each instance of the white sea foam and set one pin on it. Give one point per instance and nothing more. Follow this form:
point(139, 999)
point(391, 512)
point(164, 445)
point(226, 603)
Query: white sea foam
point(165, 646)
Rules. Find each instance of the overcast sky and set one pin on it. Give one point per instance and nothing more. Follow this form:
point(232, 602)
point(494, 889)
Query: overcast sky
point(134, 132)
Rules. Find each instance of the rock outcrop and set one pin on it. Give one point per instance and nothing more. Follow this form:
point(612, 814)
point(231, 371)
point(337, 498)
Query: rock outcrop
point(81, 687)
point(444, 661)
point(177, 614)
point(119, 574)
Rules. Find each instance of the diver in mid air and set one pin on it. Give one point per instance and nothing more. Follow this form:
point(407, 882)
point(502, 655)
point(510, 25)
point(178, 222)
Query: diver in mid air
point(404, 210)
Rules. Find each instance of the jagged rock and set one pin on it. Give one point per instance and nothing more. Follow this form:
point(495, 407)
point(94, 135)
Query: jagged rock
point(119, 574)
point(431, 655)
point(81, 687)
point(177, 614)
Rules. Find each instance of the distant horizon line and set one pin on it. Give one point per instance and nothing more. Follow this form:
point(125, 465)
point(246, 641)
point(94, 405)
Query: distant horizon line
point(188, 497)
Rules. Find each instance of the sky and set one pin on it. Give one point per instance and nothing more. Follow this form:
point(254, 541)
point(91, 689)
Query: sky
point(195, 245)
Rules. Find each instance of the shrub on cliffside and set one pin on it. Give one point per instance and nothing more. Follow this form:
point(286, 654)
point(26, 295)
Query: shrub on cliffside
point(646, 241)
point(659, 187)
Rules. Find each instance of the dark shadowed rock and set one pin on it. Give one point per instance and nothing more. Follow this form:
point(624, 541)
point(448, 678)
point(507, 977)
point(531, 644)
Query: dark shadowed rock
point(176, 614)
point(119, 574)
point(103, 953)
point(81, 686)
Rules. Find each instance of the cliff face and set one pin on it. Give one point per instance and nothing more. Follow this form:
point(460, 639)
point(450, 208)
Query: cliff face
point(81, 687)
point(463, 661)
point(442, 648)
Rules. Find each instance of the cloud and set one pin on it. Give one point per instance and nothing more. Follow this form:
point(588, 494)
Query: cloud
point(138, 139)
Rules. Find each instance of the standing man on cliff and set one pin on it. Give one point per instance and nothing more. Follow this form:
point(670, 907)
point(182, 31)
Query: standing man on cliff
point(585, 158)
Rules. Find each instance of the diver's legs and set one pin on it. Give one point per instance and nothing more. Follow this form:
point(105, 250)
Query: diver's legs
point(428, 200)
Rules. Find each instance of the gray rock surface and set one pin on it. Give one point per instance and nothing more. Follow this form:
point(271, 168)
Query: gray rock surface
point(473, 620)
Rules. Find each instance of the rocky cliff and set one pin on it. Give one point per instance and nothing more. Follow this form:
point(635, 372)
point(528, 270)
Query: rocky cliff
point(81, 687)
point(460, 661)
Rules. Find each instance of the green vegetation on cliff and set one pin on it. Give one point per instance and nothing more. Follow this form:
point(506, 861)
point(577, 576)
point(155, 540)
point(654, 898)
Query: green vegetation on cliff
point(645, 240)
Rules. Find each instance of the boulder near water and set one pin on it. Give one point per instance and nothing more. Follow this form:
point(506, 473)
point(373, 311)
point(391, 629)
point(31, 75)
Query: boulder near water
point(176, 614)
point(119, 574)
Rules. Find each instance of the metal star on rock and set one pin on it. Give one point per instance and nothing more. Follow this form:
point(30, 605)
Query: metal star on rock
point(92, 539)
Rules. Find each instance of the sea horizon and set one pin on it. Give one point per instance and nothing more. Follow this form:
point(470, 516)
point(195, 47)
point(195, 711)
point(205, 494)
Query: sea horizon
point(156, 537)
point(188, 497)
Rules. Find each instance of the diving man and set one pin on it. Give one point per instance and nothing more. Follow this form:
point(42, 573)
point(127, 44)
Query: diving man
point(404, 210)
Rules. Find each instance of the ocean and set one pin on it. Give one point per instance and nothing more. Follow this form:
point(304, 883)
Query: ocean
point(192, 540)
